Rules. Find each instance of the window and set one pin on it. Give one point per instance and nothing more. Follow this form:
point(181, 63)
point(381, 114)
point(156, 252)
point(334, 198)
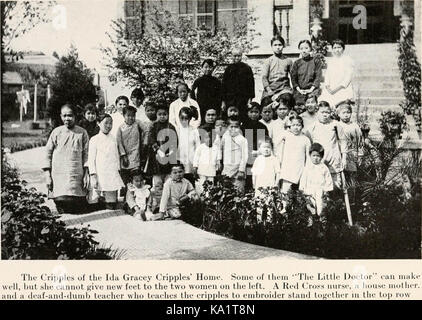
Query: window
point(201, 12)
point(134, 18)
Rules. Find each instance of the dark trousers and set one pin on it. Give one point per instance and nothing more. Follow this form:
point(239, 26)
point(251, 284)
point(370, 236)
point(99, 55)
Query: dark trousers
point(71, 204)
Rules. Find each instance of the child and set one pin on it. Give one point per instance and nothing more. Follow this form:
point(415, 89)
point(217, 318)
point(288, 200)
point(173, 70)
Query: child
point(220, 130)
point(188, 138)
point(117, 116)
point(184, 101)
point(205, 162)
point(88, 122)
point(353, 136)
point(310, 115)
point(232, 111)
point(316, 179)
point(139, 198)
point(278, 126)
point(163, 154)
point(176, 189)
point(137, 96)
point(305, 74)
point(292, 152)
point(267, 117)
point(275, 77)
point(208, 89)
point(129, 142)
point(235, 154)
point(210, 117)
point(253, 131)
point(150, 111)
point(323, 132)
point(266, 168)
point(65, 165)
point(104, 162)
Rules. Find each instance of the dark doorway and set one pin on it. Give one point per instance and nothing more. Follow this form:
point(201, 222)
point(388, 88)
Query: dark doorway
point(382, 24)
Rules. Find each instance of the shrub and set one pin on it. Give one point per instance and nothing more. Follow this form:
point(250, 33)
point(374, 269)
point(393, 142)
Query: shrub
point(30, 231)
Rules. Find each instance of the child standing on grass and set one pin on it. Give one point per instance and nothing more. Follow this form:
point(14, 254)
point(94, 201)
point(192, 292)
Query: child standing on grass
point(292, 153)
point(89, 122)
point(188, 138)
point(266, 168)
point(176, 190)
point(184, 101)
point(205, 162)
point(235, 154)
point(104, 162)
point(310, 114)
point(139, 198)
point(129, 142)
point(316, 179)
point(323, 132)
point(163, 151)
point(353, 136)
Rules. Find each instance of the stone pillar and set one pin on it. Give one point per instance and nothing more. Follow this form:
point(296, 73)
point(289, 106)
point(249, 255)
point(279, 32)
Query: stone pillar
point(417, 28)
point(263, 12)
point(299, 22)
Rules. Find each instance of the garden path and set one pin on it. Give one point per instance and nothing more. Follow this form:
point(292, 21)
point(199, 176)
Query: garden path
point(149, 240)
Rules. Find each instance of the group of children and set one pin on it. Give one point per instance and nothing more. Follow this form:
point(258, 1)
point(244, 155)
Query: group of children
point(306, 151)
point(157, 156)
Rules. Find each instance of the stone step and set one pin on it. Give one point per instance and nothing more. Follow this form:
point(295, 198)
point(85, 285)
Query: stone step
point(378, 85)
point(377, 77)
point(380, 101)
point(380, 93)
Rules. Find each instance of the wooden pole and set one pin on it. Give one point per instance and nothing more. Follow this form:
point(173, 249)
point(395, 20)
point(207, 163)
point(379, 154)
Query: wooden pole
point(343, 185)
point(35, 101)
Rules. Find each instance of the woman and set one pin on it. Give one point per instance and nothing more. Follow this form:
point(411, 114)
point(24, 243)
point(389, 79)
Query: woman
point(338, 78)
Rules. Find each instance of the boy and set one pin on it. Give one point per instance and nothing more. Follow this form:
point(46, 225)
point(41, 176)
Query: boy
point(235, 154)
point(138, 198)
point(278, 126)
point(310, 115)
point(208, 89)
point(220, 129)
point(275, 76)
point(129, 141)
point(176, 190)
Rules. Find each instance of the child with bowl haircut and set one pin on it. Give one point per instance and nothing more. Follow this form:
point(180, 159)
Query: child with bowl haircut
point(89, 122)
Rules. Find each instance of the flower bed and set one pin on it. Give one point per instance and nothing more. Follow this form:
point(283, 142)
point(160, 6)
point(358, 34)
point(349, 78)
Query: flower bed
point(30, 231)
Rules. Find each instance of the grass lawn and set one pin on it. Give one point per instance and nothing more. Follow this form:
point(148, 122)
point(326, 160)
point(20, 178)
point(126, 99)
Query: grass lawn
point(15, 135)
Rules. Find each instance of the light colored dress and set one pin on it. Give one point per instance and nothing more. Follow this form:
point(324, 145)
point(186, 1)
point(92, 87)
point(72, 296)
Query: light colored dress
point(235, 154)
point(118, 120)
point(339, 72)
point(104, 161)
point(188, 142)
point(66, 157)
point(266, 170)
point(308, 120)
point(324, 134)
point(315, 180)
point(278, 127)
point(138, 196)
point(353, 136)
point(268, 125)
point(205, 160)
point(174, 110)
point(293, 159)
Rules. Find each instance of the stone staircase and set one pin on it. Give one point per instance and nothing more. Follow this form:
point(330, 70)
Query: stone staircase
point(376, 80)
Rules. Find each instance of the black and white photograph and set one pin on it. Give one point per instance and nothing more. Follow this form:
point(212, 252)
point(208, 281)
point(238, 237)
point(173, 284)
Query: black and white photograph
point(211, 130)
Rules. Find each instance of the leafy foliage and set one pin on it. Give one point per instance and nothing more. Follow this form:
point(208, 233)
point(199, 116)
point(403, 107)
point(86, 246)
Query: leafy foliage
point(71, 83)
point(410, 73)
point(30, 231)
point(169, 48)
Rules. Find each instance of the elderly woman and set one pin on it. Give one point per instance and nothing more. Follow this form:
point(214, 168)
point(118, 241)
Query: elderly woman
point(338, 77)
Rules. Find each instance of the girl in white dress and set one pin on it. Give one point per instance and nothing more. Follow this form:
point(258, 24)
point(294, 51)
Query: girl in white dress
point(104, 162)
point(189, 141)
point(293, 153)
point(338, 77)
point(316, 179)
